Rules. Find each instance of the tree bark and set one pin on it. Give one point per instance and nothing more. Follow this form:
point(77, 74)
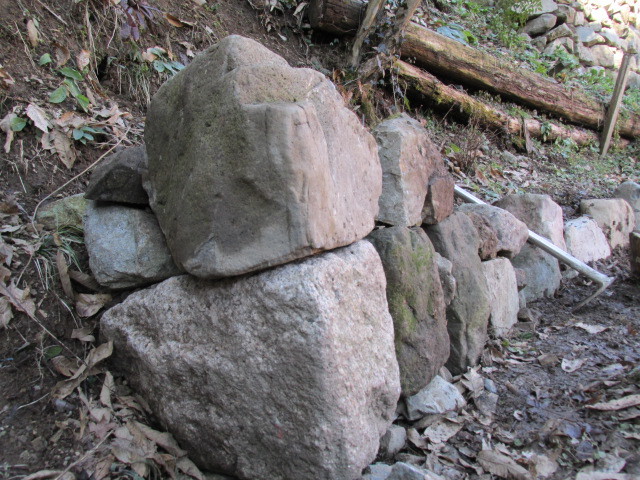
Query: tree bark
point(461, 64)
point(433, 93)
point(340, 17)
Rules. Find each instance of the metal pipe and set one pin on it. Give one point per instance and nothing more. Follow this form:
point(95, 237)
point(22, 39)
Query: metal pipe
point(544, 244)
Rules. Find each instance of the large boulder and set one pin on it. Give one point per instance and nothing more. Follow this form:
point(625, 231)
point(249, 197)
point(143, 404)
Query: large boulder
point(253, 163)
point(510, 232)
point(119, 178)
point(408, 159)
point(416, 303)
point(503, 289)
point(456, 239)
point(585, 240)
point(290, 373)
point(614, 216)
point(543, 216)
point(126, 246)
point(630, 191)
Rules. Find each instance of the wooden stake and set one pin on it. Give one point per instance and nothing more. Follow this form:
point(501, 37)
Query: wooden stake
point(614, 105)
point(370, 16)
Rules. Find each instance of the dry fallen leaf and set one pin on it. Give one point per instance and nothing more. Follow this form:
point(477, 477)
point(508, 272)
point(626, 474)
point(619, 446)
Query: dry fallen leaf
point(83, 59)
point(63, 272)
point(39, 117)
point(64, 388)
point(108, 387)
point(88, 304)
point(84, 279)
point(32, 33)
point(541, 466)
point(187, 467)
point(5, 79)
point(83, 334)
point(442, 430)
point(605, 476)
point(63, 147)
point(571, 365)
point(20, 299)
point(64, 366)
point(62, 54)
point(5, 312)
point(163, 439)
point(619, 404)
point(502, 466)
point(42, 474)
point(5, 126)
point(592, 329)
point(200, 2)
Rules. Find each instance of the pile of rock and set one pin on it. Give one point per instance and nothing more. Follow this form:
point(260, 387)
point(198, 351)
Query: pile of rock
point(304, 289)
point(597, 32)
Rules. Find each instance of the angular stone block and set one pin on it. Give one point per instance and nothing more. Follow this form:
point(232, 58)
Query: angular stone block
point(510, 232)
point(439, 202)
point(614, 216)
point(585, 240)
point(456, 239)
point(290, 373)
point(119, 178)
point(253, 163)
point(416, 303)
point(630, 191)
point(126, 247)
point(66, 212)
point(503, 289)
point(408, 158)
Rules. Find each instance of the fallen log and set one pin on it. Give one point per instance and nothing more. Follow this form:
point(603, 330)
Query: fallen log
point(450, 59)
point(433, 93)
point(339, 17)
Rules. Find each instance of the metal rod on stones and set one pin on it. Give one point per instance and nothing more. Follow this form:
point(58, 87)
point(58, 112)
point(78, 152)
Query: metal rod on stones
point(539, 241)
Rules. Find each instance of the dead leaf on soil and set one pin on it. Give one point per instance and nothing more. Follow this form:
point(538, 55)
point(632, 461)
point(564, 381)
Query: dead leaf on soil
point(42, 474)
point(32, 33)
point(571, 365)
point(619, 404)
point(177, 22)
point(64, 366)
point(62, 54)
point(163, 439)
point(631, 435)
point(187, 467)
point(83, 334)
point(65, 387)
point(63, 147)
point(88, 304)
point(502, 466)
point(542, 466)
point(70, 119)
point(108, 386)
point(5, 126)
point(473, 381)
point(200, 2)
point(6, 253)
point(548, 359)
point(442, 430)
point(5, 312)
point(416, 439)
point(83, 59)
point(84, 279)
point(592, 329)
point(5, 79)
point(20, 299)
point(39, 117)
point(63, 272)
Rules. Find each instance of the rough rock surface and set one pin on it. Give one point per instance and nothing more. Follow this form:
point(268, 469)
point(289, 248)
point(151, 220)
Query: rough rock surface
point(447, 280)
point(416, 303)
point(439, 202)
point(290, 373)
point(66, 212)
point(408, 159)
point(126, 246)
point(634, 244)
point(392, 441)
point(253, 163)
point(614, 216)
point(511, 233)
point(438, 397)
point(119, 178)
point(456, 239)
point(585, 240)
point(630, 191)
point(503, 289)
point(488, 238)
point(543, 216)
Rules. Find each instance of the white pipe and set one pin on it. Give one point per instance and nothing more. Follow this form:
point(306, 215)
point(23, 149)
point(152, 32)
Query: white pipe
point(544, 244)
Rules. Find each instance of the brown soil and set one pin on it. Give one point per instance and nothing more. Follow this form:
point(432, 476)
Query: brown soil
point(540, 408)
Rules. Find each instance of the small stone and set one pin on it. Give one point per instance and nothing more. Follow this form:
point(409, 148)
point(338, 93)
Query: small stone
point(559, 32)
point(503, 289)
point(438, 397)
point(406, 471)
point(119, 178)
point(579, 20)
point(540, 25)
point(66, 212)
point(565, 43)
point(585, 240)
point(630, 191)
point(587, 36)
point(126, 247)
point(378, 471)
point(584, 55)
point(603, 55)
point(611, 37)
point(566, 13)
point(634, 253)
point(546, 6)
point(392, 442)
point(614, 216)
